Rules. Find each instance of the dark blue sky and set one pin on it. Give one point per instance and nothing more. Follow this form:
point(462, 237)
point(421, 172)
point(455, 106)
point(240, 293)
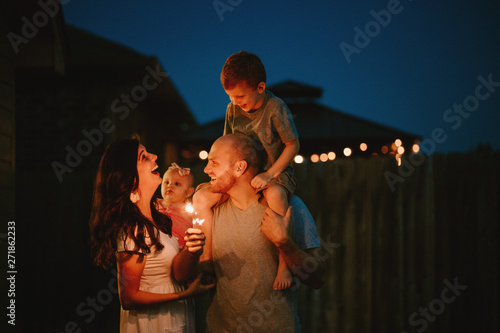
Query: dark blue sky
point(426, 58)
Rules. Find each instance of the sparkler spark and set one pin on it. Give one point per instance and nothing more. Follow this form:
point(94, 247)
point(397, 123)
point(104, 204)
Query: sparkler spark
point(196, 221)
point(189, 208)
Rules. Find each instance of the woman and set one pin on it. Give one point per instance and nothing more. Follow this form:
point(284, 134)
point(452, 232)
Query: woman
point(125, 226)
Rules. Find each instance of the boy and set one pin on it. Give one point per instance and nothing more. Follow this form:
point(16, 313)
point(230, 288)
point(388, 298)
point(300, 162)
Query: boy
point(256, 112)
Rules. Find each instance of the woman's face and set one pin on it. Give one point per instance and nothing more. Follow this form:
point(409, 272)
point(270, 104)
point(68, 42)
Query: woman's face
point(149, 177)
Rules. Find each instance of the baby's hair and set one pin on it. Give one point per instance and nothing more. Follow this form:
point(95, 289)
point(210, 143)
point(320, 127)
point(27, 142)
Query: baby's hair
point(242, 67)
point(183, 172)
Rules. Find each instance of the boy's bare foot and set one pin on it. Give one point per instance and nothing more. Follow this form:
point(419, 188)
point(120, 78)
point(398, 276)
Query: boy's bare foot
point(283, 278)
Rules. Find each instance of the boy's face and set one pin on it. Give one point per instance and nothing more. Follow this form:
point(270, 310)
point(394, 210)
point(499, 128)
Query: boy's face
point(245, 97)
point(175, 188)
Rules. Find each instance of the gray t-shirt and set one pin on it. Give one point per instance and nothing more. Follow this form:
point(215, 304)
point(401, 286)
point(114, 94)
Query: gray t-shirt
point(246, 263)
point(272, 125)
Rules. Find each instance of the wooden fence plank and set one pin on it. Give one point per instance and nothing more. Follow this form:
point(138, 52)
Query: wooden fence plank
point(399, 248)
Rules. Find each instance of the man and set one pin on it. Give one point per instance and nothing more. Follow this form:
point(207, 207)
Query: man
point(244, 236)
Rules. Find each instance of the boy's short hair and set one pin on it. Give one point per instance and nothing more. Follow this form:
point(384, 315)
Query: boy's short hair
point(242, 67)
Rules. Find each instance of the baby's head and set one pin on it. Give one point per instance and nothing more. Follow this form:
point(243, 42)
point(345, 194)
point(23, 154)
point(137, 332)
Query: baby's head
point(177, 186)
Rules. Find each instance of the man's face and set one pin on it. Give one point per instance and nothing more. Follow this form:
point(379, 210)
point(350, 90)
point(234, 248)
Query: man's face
point(220, 167)
point(245, 97)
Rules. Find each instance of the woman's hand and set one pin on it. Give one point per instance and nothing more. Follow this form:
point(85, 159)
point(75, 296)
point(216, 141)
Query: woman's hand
point(195, 240)
point(196, 287)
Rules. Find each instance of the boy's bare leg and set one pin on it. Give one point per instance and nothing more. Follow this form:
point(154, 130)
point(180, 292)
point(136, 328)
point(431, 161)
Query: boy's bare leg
point(277, 200)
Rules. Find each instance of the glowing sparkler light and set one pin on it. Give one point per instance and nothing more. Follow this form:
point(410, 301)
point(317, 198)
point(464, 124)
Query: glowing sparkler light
point(196, 221)
point(189, 208)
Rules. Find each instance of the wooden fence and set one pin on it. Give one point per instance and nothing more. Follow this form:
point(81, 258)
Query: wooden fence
point(403, 255)
point(417, 244)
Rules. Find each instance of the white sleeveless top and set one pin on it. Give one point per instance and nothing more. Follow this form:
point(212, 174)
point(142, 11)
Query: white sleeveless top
point(157, 278)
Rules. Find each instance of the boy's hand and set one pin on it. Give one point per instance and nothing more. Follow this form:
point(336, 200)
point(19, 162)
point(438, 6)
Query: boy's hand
point(261, 180)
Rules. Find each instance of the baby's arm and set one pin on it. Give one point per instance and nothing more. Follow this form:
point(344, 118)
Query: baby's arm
point(203, 201)
point(291, 149)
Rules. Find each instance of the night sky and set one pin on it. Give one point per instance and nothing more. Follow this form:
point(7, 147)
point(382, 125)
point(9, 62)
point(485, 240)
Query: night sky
point(412, 65)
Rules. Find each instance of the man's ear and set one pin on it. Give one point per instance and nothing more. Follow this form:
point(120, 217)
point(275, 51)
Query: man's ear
point(240, 167)
point(261, 87)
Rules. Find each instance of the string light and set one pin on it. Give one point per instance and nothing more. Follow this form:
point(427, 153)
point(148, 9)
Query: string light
point(203, 155)
point(396, 149)
point(298, 159)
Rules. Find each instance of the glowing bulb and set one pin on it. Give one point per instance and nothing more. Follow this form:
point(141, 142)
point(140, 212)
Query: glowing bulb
point(203, 155)
point(415, 148)
point(347, 151)
point(331, 156)
point(401, 150)
point(363, 146)
point(398, 159)
point(298, 159)
point(314, 158)
point(323, 157)
point(398, 143)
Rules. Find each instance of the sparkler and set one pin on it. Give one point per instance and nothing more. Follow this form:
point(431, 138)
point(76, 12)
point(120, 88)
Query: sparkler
point(196, 221)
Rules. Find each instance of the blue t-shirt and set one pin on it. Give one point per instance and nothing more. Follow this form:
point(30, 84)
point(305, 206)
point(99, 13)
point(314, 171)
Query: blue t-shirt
point(305, 235)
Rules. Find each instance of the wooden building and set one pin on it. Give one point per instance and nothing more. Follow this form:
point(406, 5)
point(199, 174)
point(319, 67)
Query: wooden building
point(321, 129)
point(64, 95)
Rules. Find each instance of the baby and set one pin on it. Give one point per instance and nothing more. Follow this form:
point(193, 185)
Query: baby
point(176, 190)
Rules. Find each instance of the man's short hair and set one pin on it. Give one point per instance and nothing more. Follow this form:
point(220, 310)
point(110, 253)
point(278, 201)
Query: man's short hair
point(242, 67)
point(247, 149)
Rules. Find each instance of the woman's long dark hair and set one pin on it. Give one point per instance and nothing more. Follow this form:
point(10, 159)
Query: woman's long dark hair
point(112, 211)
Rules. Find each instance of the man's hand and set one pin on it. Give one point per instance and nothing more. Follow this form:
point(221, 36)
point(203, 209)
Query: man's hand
point(274, 226)
point(261, 180)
